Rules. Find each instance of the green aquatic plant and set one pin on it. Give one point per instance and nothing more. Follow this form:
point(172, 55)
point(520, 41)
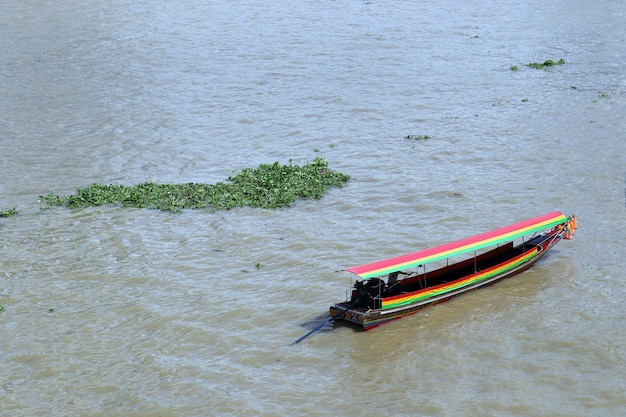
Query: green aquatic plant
point(8, 213)
point(545, 64)
point(268, 186)
point(417, 137)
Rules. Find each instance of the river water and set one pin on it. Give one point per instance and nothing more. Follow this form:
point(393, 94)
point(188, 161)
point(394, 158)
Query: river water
point(111, 311)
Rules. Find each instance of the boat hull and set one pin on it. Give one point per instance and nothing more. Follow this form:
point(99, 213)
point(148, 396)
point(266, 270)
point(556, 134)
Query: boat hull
point(396, 307)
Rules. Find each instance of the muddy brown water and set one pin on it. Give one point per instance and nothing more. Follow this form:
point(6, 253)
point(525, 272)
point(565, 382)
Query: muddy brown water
point(111, 311)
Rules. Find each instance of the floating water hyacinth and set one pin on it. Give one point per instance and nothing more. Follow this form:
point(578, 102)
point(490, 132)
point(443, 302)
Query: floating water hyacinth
point(545, 64)
point(8, 213)
point(268, 186)
point(417, 137)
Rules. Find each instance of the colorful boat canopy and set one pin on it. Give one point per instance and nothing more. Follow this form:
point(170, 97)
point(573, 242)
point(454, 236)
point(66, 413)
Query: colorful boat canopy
point(497, 236)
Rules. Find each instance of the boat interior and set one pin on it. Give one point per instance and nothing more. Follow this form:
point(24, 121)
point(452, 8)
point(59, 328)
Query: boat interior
point(368, 293)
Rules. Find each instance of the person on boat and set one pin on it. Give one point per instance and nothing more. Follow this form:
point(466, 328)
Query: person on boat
point(360, 298)
point(393, 284)
point(375, 287)
point(393, 278)
point(366, 293)
point(356, 289)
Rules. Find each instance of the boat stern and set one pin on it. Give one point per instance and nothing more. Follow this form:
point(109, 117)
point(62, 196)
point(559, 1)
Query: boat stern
point(343, 311)
point(365, 318)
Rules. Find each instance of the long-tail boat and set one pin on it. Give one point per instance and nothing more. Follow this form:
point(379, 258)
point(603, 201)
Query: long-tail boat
point(393, 288)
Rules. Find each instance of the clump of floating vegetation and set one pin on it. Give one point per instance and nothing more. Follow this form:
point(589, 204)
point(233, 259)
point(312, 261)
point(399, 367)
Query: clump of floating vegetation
point(545, 64)
point(417, 137)
point(269, 186)
point(8, 213)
